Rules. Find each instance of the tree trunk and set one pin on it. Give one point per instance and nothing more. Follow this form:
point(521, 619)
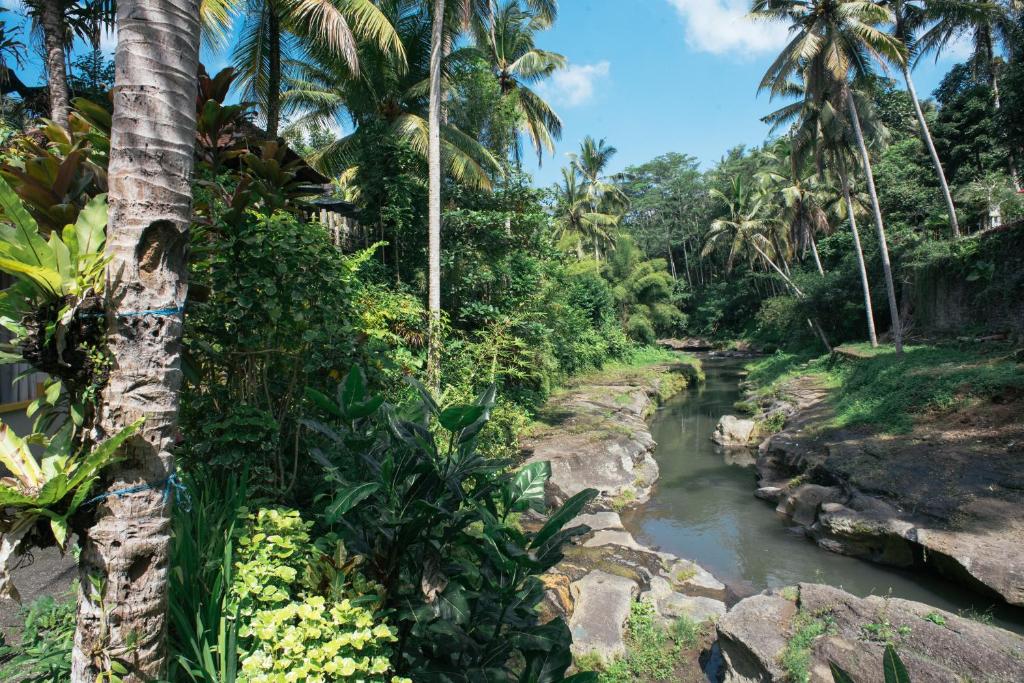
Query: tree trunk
point(926, 135)
point(434, 205)
point(883, 247)
point(868, 307)
point(51, 21)
point(817, 257)
point(273, 73)
point(671, 260)
point(152, 146)
point(813, 323)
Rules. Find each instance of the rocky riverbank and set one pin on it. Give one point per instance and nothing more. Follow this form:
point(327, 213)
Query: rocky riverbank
point(947, 497)
point(796, 632)
point(595, 435)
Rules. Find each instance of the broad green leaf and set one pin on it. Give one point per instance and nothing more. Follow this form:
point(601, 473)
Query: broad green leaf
point(323, 402)
point(26, 243)
point(60, 530)
point(565, 514)
point(103, 454)
point(459, 417)
point(16, 457)
point(527, 487)
point(62, 257)
point(353, 390)
point(91, 226)
point(892, 666)
point(46, 279)
point(838, 675)
point(346, 499)
point(366, 408)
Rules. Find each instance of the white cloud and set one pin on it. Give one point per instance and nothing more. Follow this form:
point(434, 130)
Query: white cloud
point(574, 85)
point(723, 27)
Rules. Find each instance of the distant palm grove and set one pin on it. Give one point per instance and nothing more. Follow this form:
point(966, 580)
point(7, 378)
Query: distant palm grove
point(279, 328)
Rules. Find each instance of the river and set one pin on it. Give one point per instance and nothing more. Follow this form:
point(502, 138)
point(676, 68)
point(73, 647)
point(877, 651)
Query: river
point(704, 509)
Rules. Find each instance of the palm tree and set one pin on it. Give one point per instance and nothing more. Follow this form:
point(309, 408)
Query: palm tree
point(603, 195)
point(122, 608)
point(507, 38)
point(744, 226)
point(574, 214)
point(820, 132)
point(798, 195)
point(437, 46)
point(834, 41)
point(910, 16)
point(276, 32)
point(988, 22)
point(390, 89)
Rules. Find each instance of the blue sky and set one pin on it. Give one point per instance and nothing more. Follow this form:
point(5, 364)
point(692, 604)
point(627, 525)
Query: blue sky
point(651, 76)
point(656, 76)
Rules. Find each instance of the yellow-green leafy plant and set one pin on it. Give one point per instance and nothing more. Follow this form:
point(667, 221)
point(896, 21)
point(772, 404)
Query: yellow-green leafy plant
point(39, 498)
point(304, 611)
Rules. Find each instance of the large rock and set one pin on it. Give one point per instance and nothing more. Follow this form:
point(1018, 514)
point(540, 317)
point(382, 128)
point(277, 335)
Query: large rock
point(934, 645)
point(734, 431)
point(602, 605)
point(751, 638)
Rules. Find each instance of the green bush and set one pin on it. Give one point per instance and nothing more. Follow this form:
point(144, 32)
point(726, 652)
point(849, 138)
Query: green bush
point(44, 653)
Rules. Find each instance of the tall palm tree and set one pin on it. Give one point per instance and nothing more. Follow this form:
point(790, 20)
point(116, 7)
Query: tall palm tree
point(821, 133)
point(603, 194)
point(276, 33)
point(437, 47)
point(390, 89)
point(910, 16)
point(574, 214)
point(833, 42)
point(989, 23)
point(122, 609)
point(745, 227)
point(507, 38)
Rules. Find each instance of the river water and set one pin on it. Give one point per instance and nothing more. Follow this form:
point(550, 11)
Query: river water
point(704, 509)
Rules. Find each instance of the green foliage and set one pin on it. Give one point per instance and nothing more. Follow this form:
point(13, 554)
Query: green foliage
point(796, 657)
point(44, 652)
point(893, 669)
point(644, 292)
point(434, 519)
point(39, 499)
point(652, 650)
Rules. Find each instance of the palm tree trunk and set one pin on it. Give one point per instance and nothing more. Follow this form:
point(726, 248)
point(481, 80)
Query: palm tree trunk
point(52, 23)
point(890, 286)
point(434, 202)
point(868, 307)
point(926, 135)
point(813, 323)
point(817, 257)
point(993, 79)
point(668, 248)
point(273, 72)
point(122, 617)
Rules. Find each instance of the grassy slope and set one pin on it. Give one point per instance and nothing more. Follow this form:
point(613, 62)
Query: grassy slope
point(873, 386)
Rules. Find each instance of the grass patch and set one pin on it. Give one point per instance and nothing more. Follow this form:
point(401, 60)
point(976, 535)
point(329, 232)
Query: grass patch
point(796, 658)
point(652, 652)
point(888, 392)
point(622, 501)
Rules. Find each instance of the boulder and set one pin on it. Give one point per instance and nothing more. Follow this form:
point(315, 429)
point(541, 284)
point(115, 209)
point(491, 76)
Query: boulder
point(935, 645)
point(734, 431)
point(602, 606)
point(752, 636)
point(802, 504)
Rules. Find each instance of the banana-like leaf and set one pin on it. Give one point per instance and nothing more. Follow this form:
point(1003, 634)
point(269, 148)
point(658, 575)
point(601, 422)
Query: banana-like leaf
point(16, 457)
point(91, 226)
point(46, 279)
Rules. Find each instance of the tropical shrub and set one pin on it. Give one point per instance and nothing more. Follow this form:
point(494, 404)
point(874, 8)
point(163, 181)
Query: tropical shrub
point(38, 501)
point(43, 654)
point(410, 491)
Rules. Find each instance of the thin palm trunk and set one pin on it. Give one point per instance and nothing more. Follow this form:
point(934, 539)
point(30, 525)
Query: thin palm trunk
point(52, 23)
point(273, 73)
point(926, 135)
point(868, 308)
point(813, 323)
point(883, 247)
point(817, 258)
point(122, 617)
point(434, 205)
